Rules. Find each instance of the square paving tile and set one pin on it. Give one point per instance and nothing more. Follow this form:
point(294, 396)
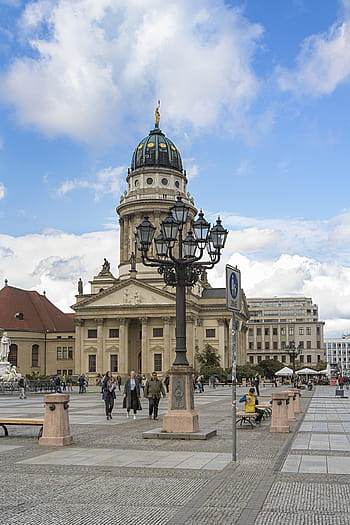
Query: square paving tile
point(313, 465)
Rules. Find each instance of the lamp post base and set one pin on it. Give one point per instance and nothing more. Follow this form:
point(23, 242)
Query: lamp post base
point(181, 416)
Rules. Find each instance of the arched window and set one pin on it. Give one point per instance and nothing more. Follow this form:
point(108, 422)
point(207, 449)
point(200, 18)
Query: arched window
point(13, 354)
point(35, 355)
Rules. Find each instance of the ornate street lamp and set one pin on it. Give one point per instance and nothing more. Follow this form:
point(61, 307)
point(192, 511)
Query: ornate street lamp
point(293, 353)
point(180, 262)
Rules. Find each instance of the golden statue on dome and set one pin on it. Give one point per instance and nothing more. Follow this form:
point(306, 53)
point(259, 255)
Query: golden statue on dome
point(157, 114)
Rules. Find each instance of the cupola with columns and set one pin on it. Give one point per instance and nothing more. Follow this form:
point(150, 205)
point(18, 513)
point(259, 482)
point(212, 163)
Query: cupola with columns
point(155, 179)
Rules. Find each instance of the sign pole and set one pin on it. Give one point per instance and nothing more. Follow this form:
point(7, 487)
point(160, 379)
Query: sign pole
point(234, 304)
point(234, 390)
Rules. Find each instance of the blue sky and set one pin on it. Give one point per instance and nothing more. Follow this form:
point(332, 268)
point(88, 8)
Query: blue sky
point(254, 94)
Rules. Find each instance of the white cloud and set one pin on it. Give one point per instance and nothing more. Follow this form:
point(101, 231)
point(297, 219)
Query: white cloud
point(327, 284)
point(2, 190)
point(107, 180)
point(192, 169)
point(96, 62)
point(323, 62)
point(243, 168)
point(252, 239)
point(264, 250)
point(54, 260)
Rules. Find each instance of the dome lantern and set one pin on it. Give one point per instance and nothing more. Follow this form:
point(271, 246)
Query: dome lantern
point(156, 150)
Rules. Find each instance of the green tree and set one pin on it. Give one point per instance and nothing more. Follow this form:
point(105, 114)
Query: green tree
point(248, 371)
point(209, 363)
point(321, 365)
point(268, 367)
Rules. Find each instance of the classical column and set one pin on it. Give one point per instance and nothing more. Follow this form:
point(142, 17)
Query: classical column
point(221, 337)
point(123, 346)
point(167, 346)
point(100, 347)
point(79, 346)
point(146, 358)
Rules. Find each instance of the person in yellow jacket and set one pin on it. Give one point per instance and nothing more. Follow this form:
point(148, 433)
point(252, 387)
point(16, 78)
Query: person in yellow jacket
point(251, 402)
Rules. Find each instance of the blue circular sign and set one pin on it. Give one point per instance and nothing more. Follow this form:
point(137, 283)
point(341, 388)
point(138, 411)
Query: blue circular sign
point(233, 285)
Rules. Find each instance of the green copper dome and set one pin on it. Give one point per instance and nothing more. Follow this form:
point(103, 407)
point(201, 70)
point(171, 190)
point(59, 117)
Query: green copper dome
point(156, 150)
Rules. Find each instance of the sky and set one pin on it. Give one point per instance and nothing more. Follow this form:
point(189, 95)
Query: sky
point(256, 96)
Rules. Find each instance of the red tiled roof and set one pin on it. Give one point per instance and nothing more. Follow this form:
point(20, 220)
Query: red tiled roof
point(39, 313)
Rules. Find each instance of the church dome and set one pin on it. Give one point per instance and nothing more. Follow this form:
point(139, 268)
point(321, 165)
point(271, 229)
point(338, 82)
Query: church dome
point(156, 150)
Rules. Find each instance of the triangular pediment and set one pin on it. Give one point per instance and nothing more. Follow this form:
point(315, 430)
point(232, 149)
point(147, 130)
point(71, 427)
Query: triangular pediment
point(128, 293)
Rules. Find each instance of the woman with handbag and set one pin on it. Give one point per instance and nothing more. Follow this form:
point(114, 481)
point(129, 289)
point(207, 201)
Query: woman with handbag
point(131, 399)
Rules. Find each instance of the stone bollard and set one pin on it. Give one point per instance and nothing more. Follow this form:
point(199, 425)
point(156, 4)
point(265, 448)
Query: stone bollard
point(279, 420)
point(297, 409)
point(291, 412)
point(56, 421)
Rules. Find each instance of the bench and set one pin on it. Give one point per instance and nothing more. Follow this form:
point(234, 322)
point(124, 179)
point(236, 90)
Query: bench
point(4, 422)
point(246, 417)
point(266, 408)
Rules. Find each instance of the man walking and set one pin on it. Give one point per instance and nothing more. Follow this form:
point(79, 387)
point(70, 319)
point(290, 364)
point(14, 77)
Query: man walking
point(153, 390)
point(256, 384)
point(22, 386)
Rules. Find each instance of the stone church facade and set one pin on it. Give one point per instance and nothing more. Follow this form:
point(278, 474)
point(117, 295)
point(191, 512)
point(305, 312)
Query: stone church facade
point(128, 322)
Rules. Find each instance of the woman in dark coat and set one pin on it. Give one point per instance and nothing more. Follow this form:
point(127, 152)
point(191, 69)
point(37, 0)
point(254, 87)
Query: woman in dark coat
point(108, 393)
point(131, 399)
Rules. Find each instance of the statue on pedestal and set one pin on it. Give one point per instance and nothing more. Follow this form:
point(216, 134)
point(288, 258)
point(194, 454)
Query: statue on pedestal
point(4, 348)
point(106, 267)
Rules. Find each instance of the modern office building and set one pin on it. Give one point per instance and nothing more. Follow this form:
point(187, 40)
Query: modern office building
point(276, 322)
point(338, 354)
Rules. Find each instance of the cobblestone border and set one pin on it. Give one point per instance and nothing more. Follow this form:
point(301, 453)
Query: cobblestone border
point(256, 501)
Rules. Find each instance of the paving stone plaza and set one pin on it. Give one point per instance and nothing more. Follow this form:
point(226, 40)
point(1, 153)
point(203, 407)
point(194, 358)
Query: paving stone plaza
point(110, 474)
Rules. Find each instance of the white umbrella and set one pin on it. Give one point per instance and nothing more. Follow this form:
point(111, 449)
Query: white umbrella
point(284, 372)
point(306, 372)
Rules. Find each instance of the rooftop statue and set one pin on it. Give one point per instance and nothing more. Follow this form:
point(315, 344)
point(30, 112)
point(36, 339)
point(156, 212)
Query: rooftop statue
point(106, 267)
point(157, 114)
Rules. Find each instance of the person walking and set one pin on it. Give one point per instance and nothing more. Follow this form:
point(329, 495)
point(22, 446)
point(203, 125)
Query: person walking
point(64, 382)
point(70, 383)
point(81, 381)
point(212, 381)
point(22, 387)
point(143, 382)
point(166, 382)
point(119, 382)
point(108, 393)
point(256, 384)
point(154, 389)
point(57, 380)
point(131, 396)
point(200, 383)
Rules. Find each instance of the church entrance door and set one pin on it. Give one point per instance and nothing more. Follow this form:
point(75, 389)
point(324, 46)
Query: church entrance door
point(134, 346)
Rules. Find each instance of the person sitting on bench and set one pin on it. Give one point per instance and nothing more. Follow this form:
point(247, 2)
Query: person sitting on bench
point(251, 402)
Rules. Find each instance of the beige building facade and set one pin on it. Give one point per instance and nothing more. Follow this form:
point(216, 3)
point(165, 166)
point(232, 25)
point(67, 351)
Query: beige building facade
point(276, 322)
point(42, 336)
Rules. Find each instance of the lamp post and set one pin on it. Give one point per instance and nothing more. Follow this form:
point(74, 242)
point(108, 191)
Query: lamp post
point(178, 259)
point(293, 353)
